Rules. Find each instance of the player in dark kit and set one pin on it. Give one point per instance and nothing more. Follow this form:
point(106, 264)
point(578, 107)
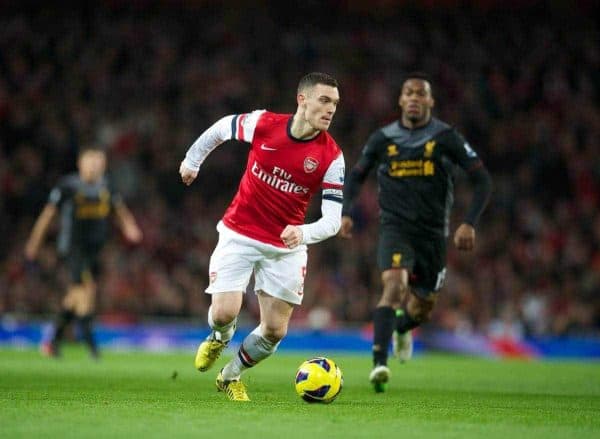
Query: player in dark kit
point(416, 157)
point(85, 201)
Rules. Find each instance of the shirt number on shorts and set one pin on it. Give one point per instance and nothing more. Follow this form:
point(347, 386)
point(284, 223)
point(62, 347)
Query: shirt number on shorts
point(441, 277)
point(301, 289)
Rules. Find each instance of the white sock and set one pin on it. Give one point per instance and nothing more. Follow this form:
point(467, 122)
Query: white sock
point(223, 333)
point(254, 349)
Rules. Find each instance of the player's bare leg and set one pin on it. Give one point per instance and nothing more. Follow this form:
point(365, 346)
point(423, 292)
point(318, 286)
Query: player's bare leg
point(417, 311)
point(84, 307)
point(67, 314)
point(222, 318)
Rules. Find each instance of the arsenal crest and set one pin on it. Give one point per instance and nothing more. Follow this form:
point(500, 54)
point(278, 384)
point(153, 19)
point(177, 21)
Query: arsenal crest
point(310, 164)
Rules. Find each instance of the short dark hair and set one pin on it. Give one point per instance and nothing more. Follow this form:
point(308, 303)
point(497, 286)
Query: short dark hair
point(416, 75)
point(315, 78)
point(90, 147)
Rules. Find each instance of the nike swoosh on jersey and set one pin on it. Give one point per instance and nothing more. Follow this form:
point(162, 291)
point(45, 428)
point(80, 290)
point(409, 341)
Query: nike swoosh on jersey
point(267, 148)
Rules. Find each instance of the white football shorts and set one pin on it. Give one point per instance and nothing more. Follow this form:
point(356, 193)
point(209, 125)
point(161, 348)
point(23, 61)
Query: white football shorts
point(279, 272)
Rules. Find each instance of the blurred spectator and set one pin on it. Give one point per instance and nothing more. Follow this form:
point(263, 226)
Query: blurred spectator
point(145, 78)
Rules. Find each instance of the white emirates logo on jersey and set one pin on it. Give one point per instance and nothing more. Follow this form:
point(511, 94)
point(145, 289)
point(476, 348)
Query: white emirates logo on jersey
point(279, 179)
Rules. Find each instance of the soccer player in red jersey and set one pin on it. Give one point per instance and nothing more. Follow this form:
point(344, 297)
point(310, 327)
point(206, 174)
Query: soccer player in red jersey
point(262, 231)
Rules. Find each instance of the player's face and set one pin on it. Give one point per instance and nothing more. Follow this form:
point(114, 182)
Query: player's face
point(92, 165)
point(319, 104)
point(416, 101)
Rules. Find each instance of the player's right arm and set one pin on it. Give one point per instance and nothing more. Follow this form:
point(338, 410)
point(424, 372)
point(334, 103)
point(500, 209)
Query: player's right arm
point(368, 159)
point(39, 230)
point(232, 127)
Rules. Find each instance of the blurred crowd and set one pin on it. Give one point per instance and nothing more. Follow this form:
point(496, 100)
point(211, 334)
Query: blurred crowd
point(144, 79)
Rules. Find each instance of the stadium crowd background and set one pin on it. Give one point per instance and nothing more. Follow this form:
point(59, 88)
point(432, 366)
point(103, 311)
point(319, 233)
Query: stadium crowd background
point(144, 79)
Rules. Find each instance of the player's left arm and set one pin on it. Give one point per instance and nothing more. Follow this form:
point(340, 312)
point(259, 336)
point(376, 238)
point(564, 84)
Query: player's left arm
point(331, 210)
point(127, 223)
point(232, 127)
point(481, 184)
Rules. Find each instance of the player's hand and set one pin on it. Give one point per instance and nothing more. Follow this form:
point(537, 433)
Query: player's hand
point(133, 234)
point(464, 237)
point(291, 236)
point(346, 227)
point(187, 175)
point(31, 251)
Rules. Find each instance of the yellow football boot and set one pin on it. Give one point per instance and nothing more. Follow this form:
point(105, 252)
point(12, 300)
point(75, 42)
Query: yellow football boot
point(234, 389)
point(208, 352)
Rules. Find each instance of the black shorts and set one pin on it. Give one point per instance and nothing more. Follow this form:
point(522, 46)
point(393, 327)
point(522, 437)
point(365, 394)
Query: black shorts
point(423, 256)
point(83, 261)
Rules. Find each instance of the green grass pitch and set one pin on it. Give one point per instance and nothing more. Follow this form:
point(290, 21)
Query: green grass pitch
point(135, 395)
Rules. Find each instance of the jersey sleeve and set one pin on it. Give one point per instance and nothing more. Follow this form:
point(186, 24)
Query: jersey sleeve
point(60, 192)
point(333, 181)
point(331, 205)
point(233, 127)
point(368, 159)
point(460, 151)
point(244, 125)
point(370, 152)
point(115, 196)
point(466, 157)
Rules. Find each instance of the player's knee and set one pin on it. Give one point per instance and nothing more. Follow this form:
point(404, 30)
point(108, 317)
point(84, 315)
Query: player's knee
point(84, 305)
point(394, 287)
point(274, 333)
point(68, 302)
point(222, 315)
point(420, 309)
point(84, 309)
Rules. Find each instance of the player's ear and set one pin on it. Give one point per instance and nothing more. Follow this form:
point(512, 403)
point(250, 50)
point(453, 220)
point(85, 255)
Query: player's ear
point(301, 99)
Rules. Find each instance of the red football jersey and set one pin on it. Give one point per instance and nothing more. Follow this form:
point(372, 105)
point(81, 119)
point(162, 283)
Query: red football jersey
point(282, 174)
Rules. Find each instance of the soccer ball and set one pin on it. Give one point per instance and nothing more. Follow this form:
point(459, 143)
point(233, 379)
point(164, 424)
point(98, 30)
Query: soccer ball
point(319, 380)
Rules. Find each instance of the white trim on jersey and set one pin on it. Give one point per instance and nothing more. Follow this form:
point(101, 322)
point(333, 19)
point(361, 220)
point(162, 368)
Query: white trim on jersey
point(333, 180)
point(331, 205)
point(243, 125)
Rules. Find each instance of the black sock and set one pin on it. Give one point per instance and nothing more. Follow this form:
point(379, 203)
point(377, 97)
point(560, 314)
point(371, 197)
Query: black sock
point(383, 326)
point(85, 323)
point(62, 321)
point(404, 322)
